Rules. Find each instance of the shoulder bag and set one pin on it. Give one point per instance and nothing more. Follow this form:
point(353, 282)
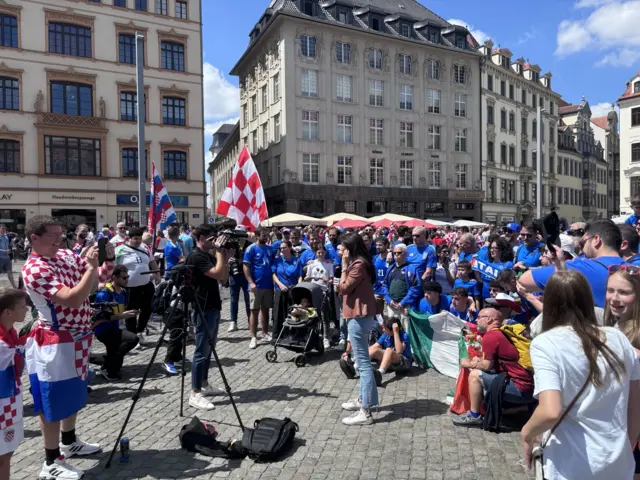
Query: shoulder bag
point(538, 459)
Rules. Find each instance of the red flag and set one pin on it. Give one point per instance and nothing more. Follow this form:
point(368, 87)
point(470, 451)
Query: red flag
point(243, 199)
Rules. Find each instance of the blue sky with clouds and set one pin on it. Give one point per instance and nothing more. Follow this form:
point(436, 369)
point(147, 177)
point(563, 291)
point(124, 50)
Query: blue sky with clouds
point(592, 47)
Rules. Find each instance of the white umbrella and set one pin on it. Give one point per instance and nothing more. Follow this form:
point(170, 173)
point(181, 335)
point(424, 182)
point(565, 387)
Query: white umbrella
point(619, 220)
point(437, 223)
point(392, 217)
point(468, 223)
point(292, 219)
point(336, 217)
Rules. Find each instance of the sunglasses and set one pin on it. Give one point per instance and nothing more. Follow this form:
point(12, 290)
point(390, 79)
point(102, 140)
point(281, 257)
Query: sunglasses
point(630, 269)
point(583, 241)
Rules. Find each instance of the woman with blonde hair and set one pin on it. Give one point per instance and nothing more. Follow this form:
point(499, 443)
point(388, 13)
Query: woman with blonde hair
point(587, 383)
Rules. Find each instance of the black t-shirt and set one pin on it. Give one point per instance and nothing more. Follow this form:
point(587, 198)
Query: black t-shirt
point(207, 291)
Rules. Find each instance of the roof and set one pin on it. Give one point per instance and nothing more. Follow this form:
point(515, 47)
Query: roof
point(232, 139)
point(568, 109)
point(601, 122)
point(628, 93)
point(226, 128)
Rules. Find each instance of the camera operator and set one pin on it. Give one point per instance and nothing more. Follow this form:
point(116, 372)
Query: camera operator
point(237, 283)
point(209, 260)
point(117, 342)
point(59, 282)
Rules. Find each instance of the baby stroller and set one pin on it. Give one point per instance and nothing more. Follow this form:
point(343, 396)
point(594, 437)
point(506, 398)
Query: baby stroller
point(301, 335)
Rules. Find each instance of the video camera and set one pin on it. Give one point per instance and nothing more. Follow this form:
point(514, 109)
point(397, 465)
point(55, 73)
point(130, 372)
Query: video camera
point(237, 238)
point(102, 312)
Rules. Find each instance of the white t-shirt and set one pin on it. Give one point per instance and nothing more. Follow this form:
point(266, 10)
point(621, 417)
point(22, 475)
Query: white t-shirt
point(136, 262)
point(320, 272)
point(592, 441)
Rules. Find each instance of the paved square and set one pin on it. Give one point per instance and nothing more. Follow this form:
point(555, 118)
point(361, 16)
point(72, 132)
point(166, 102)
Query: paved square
point(413, 436)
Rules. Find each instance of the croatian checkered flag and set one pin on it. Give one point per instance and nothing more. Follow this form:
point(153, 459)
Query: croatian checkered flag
point(161, 210)
point(243, 199)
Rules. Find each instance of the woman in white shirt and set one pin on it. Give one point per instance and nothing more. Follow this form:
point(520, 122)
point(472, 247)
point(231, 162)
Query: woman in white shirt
point(320, 272)
point(594, 439)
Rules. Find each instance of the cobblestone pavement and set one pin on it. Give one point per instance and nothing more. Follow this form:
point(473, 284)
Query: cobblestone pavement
point(413, 436)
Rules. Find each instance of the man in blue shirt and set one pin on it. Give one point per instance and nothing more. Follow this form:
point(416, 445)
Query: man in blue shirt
point(468, 247)
point(433, 302)
point(5, 260)
point(422, 255)
point(381, 266)
point(257, 270)
point(528, 254)
point(629, 247)
point(633, 218)
point(187, 241)
point(172, 251)
point(332, 246)
point(403, 283)
point(600, 243)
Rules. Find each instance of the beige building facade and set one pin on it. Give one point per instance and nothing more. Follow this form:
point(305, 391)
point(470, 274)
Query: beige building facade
point(68, 136)
point(364, 109)
point(629, 103)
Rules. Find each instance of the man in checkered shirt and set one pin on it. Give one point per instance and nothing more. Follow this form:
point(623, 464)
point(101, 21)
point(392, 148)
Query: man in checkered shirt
point(59, 283)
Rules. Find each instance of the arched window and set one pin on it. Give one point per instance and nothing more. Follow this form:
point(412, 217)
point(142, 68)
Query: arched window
point(433, 67)
point(459, 73)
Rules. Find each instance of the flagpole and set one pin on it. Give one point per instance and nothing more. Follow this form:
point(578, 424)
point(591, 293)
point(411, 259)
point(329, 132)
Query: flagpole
point(141, 103)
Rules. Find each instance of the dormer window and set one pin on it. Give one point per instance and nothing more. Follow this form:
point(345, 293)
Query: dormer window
point(433, 35)
point(343, 16)
point(636, 86)
point(504, 61)
point(307, 7)
point(374, 23)
point(461, 42)
point(535, 76)
point(405, 30)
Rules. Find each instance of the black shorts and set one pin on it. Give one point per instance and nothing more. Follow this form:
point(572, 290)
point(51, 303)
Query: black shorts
point(401, 367)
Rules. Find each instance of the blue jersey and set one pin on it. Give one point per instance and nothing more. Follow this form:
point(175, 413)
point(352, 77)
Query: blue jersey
point(466, 257)
point(466, 315)
point(472, 286)
point(306, 256)
point(631, 220)
point(386, 341)
point(530, 256)
point(422, 257)
point(287, 271)
point(259, 259)
point(172, 254)
point(489, 271)
point(426, 307)
point(381, 266)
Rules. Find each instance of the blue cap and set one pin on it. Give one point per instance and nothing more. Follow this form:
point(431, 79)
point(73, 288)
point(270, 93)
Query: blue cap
point(514, 227)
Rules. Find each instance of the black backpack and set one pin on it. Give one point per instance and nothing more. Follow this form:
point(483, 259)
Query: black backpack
point(162, 298)
point(269, 439)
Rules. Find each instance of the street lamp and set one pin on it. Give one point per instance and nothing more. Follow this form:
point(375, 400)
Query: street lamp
point(539, 200)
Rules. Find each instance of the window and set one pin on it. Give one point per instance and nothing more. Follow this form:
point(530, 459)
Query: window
point(503, 191)
point(254, 106)
point(141, 5)
point(512, 122)
point(503, 154)
point(534, 160)
point(181, 10)
point(9, 94)
point(490, 119)
point(8, 31)
point(375, 24)
point(524, 189)
point(461, 175)
point(511, 91)
point(407, 207)
point(491, 190)
point(534, 129)
point(344, 88)
point(459, 73)
point(245, 114)
point(511, 191)
point(433, 101)
point(461, 140)
point(174, 111)
point(376, 172)
point(343, 52)
point(308, 46)
point(406, 173)
point(635, 152)
point(490, 83)
point(433, 68)
point(491, 154)
point(161, 7)
point(375, 59)
point(72, 99)
point(276, 174)
point(276, 128)
point(541, 102)
point(460, 105)
point(343, 16)
point(635, 117)
point(524, 97)
point(128, 107)
point(512, 156)
point(9, 156)
point(376, 131)
point(345, 170)
point(265, 135)
point(175, 165)
point(345, 129)
point(307, 7)
point(552, 135)
point(433, 137)
point(276, 87)
point(127, 49)
point(534, 197)
point(636, 87)
point(309, 83)
point(405, 31)
point(309, 125)
point(310, 167)
point(503, 88)
point(433, 35)
point(560, 164)
point(130, 162)
point(406, 134)
point(524, 125)
point(72, 156)
point(503, 119)
point(376, 93)
point(404, 64)
point(172, 56)
point(406, 97)
point(534, 99)
point(265, 98)
point(69, 39)
point(434, 174)
point(350, 206)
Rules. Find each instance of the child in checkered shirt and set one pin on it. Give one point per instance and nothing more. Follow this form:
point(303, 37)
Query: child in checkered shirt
point(13, 308)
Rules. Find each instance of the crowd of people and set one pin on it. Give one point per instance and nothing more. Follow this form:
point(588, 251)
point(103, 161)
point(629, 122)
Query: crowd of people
point(559, 323)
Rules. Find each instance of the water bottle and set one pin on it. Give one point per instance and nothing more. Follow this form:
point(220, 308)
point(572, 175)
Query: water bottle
point(124, 450)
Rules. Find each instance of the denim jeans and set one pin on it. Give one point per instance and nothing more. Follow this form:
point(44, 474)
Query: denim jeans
point(202, 353)
point(511, 392)
point(238, 283)
point(359, 330)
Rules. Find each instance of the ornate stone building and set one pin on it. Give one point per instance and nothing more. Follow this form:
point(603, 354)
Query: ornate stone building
point(629, 103)
point(362, 106)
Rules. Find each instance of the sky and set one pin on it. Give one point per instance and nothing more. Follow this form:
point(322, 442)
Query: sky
point(591, 47)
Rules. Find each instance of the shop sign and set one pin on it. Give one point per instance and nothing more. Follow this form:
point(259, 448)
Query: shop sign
point(466, 194)
point(490, 218)
point(507, 218)
point(128, 199)
point(5, 197)
point(78, 198)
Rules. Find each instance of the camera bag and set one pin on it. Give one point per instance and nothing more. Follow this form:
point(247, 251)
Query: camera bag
point(200, 437)
point(269, 439)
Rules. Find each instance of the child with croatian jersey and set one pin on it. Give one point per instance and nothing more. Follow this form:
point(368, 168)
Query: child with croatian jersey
point(13, 308)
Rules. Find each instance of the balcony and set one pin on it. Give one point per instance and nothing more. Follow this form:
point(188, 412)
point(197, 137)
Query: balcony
point(70, 121)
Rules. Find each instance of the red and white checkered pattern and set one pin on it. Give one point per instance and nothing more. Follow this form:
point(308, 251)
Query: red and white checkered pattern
point(82, 348)
point(243, 199)
point(11, 411)
point(44, 277)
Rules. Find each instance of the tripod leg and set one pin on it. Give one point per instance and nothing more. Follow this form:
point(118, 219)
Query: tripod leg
point(136, 396)
point(185, 335)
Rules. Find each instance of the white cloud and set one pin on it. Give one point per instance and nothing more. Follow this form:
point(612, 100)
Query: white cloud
point(527, 35)
point(612, 27)
point(211, 128)
point(221, 97)
point(600, 109)
point(479, 35)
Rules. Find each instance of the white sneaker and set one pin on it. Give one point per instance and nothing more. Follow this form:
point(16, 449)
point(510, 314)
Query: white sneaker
point(79, 448)
point(359, 418)
point(266, 338)
point(60, 470)
point(197, 400)
point(352, 405)
point(142, 341)
point(232, 327)
point(210, 391)
point(342, 342)
point(253, 343)
point(326, 343)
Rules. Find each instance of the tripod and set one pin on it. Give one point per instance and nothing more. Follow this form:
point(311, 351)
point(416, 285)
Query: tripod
point(184, 295)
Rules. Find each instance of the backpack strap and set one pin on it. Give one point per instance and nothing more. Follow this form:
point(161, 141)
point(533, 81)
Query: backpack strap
point(566, 411)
